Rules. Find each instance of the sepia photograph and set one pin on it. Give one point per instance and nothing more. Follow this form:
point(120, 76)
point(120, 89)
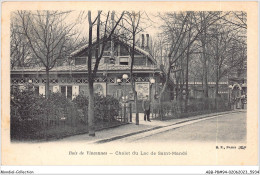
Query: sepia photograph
point(120, 83)
point(192, 71)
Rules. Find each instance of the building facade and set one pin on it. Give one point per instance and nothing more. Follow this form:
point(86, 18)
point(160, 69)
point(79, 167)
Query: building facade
point(71, 79)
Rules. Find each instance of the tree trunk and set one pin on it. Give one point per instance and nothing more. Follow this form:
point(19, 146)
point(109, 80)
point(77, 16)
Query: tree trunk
point(216, 98)
point(162, 91)
point(91, 119)
point(137, 113)
point(187, 90)
point(160, 109)
point(132, 78)
point(205, 66)
point(91, 115)
point(205, 75)
point(181, 96)
point(47, 89)
point(187, 80)
point(217, 81)
point(177, 88)
point(187, 74)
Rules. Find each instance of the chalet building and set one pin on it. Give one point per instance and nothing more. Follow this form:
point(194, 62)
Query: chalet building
point(233, 87)
point(71, 78)
point(197, 91)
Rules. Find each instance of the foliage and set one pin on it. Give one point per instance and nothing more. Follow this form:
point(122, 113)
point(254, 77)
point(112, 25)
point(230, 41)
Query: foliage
point(28, 100)
point(105, 108)
point(36, 117)
point(174, 109)
point(32, 114)
point(25, 100)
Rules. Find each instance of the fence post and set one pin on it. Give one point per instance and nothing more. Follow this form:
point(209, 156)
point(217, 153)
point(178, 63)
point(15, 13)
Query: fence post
point(124, 112)
point(137, 117)
point(121, 113)
point(109, 109)
point(130, 111)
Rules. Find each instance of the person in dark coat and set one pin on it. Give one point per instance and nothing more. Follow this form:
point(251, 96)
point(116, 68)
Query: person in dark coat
point(146, 108)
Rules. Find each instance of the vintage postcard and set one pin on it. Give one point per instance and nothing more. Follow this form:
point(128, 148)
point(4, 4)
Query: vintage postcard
point(129, 83)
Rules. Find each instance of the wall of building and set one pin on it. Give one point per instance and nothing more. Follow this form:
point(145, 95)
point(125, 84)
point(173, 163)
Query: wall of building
point(107, 85)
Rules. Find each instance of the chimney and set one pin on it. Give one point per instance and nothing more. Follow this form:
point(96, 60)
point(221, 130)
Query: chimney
point(113, 25)
point(147, 41)
point(113, 19)
point(142, 46)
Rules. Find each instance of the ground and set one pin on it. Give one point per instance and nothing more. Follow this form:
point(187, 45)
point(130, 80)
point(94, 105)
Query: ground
point(225, 128)
point(215, 127)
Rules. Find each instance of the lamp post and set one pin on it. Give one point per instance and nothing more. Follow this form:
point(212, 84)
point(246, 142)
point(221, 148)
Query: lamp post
point(30, 85)
point(229, 89)
point(125, 76)
point(118, 81)
point(152, 81)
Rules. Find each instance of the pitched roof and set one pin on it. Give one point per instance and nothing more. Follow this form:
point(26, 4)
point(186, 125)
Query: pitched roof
point(84, 68)
point(128, 44)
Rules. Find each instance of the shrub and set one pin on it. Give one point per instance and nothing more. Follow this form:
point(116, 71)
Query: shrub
point(105, 108)
point(28, 104)
point(35, 117)
point(176, 107)
point(24, 101)
point(81, 102)
point(32, 114)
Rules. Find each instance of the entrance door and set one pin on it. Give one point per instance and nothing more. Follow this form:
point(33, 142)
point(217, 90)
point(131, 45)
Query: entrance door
point(63, 90)
point(36, 90)
point(69, 92)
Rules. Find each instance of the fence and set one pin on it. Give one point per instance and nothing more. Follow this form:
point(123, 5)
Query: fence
point(57, 123)
point(177, 109)
point(125, 113)
point(43, 124)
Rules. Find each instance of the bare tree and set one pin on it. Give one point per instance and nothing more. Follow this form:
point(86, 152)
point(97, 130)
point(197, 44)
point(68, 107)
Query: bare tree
point(228, 54)
point(225, 47)
point(19, 47)
point(186, 33)
point(177, 27)
point(48, 36)
point(98, 49)
point(238, 19)
point(130, 27)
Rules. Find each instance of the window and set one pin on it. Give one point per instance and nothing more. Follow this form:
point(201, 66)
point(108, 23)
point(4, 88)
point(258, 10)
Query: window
point(123, 61)
point(80, 60)
point(66, 91)
point(69, 92)
point(140, 61)
point(36, 90)
point(63, 90)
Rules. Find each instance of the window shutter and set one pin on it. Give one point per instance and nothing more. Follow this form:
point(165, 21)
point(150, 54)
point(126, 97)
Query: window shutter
point(75, 91)
point(56, 89)
point(42, 90)
point(123, 59)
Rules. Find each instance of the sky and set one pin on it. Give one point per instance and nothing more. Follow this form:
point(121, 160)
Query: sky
point(150, 22)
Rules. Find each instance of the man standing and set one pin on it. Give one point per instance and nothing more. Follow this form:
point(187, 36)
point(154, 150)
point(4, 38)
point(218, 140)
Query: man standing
point(146, 108)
